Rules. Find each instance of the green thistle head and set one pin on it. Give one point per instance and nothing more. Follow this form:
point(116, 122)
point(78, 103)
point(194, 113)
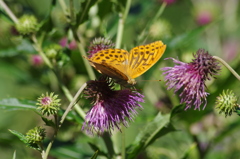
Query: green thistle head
point(53, 51)
point(227, 103)
point(35, 135)
point(27, 24)
point(48, 104)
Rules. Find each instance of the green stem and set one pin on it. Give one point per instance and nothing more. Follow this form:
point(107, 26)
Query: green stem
point(123, 143)
point(72, 103)
point(228, 67)
point(84, 11)
point(72, 15)
point(156, 17)
point(122, 18)
point(78, 39)
point(8, 11)
point(70, 98)
point(160, 11)
point(38, 48)
point(64, 7)
point(82, 51)
point(109, 144)
point(69, 108)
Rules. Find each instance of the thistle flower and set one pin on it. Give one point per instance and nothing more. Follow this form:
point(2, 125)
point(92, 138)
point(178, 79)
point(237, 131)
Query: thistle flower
point(35, 135)
point(110, 107)
point(99, 44)
point(169, 1)
point(191, 78)
point(53, 51)
point(204, 18)
point(48, 104)
point(36, 60)
point(72, 45)
point(27, 24)
point(227, 103)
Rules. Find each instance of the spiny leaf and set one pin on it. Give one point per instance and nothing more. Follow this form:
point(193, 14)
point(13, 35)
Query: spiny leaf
point(95, 148)
point(95, 155)
point(17, 104)
point(158, 127)
point(48, 122)
point(19, 135)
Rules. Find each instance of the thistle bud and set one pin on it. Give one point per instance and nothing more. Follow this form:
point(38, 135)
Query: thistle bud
point(27, 24)
point(53, 50)
point(227, 103)
point(35, 135)
point(48, 104)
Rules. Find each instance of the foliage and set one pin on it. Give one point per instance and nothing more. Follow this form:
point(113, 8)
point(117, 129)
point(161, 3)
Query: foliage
point(47, 56)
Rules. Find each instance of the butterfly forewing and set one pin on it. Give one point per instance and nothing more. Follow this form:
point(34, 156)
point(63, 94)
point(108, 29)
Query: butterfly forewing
point(142, 58)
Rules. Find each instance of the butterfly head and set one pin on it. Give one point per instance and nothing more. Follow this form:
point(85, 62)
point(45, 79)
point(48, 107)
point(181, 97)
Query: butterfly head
point(131, 81)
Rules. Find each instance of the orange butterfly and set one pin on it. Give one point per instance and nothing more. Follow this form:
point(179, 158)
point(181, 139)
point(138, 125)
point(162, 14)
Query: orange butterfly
point(125, 66)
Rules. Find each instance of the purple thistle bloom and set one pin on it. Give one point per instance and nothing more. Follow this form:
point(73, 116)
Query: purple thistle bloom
point(110, 107)
point(191, 77)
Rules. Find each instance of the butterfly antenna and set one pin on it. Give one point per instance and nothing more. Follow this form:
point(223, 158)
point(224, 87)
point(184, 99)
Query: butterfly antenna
point(151, 80)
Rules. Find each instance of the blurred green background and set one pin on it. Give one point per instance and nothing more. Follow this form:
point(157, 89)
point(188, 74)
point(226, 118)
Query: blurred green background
point(184, 26)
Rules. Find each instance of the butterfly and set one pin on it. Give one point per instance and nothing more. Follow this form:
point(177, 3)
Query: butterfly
point(122, 65)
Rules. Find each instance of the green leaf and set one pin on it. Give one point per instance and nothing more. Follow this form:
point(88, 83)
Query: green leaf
point(72, 116)
point(48, 122)
point(5, 16)
point(119, 5)
point(8, 52)
point(106, 8)
point(95, 155)
point(95, 148)
point(185, 38)
point(14, 155)
point(46, 25)
point(177, 109)
point(185, 155)
point(19, 135)
point(154, 130)
point(17, 104)
point(24, 140)
point(82, 15)
point(24, 47)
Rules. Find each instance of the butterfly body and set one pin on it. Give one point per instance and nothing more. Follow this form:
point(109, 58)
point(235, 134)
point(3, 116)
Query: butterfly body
point(126, 66)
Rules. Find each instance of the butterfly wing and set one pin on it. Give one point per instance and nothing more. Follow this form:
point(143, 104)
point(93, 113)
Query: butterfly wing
point(111, 62)
point(142, 58)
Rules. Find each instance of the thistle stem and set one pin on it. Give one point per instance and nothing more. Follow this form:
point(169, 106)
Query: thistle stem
point(83, 53)
point(64, 7)
point(156, 17)
point(72, 15)
point(72, 103)
point(69, 108)
point(8, 11)
point(228, 67)
point(38, 48)
point(122, 18)
point(77, 37)
point(84, 11)
point(72, 99)
point(123, 143)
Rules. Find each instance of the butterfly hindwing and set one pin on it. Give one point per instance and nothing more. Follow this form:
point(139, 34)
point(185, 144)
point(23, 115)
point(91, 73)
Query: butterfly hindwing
point(109, 71)
point(111, 62)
